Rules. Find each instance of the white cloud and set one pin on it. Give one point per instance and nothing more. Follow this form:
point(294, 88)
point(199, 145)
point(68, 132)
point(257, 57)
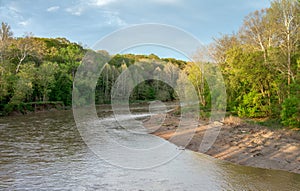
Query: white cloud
point(84, 5)
point(77, 10)
point(168, 2)
point(53, 9)
point(101, 3)
point(24, 23)
point(112, 18)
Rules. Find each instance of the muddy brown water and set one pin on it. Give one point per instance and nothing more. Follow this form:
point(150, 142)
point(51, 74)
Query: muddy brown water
point(44, 151)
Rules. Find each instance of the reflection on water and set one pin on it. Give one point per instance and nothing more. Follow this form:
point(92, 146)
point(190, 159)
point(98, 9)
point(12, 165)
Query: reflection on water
point(44, 151)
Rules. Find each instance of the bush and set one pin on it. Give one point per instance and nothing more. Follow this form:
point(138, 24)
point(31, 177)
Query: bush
point(252, 105)
point(290, 113)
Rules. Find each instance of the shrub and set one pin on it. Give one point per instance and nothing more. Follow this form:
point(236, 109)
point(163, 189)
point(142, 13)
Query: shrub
point(252, 105)
point(290, 113)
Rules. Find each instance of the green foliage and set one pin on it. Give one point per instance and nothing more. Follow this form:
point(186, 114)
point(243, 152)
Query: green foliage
point(152, 90)
point(36, 69)
point(23, 86)
point(197, 78)
point(290, 113)
point(5, 75)
point(260, 65)
point(61, 90)
point(252, 105)
point(118, 60)
point(45, 78)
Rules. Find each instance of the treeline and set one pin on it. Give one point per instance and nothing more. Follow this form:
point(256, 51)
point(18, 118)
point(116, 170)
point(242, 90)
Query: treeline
point(261, 63)
point(42, 70)
point(145, 91)
point(36, 69)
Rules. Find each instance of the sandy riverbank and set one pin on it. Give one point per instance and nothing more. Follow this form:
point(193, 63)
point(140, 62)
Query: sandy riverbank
point(242, 143)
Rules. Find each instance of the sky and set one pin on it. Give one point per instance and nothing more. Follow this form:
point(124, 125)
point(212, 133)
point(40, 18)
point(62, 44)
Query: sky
point(87, 21)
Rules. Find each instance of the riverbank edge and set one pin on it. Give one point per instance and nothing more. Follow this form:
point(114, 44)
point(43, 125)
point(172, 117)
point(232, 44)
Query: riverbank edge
point(37, 107)
point(31, 107)
point(242, 143)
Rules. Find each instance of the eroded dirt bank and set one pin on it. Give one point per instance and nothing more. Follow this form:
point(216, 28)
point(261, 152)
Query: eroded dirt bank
point(240, 143)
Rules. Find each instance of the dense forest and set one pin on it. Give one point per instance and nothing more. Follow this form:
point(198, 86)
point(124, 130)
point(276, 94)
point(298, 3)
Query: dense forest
point(42, 70)
point(260, 64)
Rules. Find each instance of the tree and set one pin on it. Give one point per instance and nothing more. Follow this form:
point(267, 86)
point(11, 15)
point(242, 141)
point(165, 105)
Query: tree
point(221, 46)
point(23, 87)
point(285, 18)
point(172, 73)
point(25, 47)
point(196, 77)
point(4, 81)
point(257, 33)
point(72, 55)
point(5, 32)
point(61, 90)
point(290, 113)
point(5, 37)
point(185, 91)
point(45, 78)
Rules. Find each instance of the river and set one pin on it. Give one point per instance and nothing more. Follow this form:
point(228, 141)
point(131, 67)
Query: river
point(44, 151)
